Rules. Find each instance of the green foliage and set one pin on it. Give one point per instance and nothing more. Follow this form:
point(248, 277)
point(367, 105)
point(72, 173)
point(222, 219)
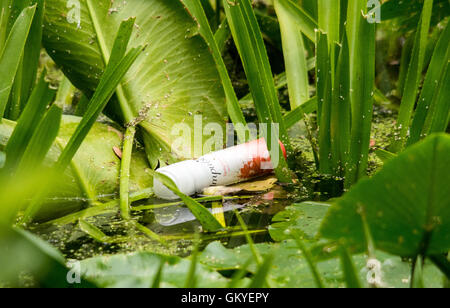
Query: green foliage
point(405, 204)
point(28, 67)
point(234, 111)
point(407, 13)
point(432, 106)
point(171, 82)
point(114, 72)
point(294, 53)
point(249, 42)
point(93, 172)
point(350, 273)
point(11, 54)
point(413, 78)
point(27, 253)
point(171, 64)
point(142, 268)
point(30, 119)
point(43, 137)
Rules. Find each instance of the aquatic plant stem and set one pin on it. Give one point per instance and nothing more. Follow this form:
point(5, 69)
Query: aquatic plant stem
point(309, 259)
point(251, 244)
point(125, 172)
point(191, 279)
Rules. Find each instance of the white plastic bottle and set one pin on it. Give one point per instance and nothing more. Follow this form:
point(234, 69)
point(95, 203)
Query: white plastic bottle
point(225, 167)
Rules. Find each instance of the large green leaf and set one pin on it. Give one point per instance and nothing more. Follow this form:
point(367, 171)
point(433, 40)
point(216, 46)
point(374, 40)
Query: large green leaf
point(406, 205)
point(11, 54)
point(139, 270)
point(290, 268)
point(171, 82)
point(94, 171)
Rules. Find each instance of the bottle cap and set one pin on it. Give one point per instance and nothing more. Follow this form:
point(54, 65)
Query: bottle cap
point(183, 174)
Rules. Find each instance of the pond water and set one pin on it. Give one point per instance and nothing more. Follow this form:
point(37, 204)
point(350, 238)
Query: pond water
point(179, 228)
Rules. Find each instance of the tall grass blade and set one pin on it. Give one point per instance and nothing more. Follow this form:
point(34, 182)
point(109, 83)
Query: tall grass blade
point(413, 79)
point(362, 89)
point(94, 232)
point(240, 274)
point(43, 137)
point(340, 112)
point(234, 110)
point(256, 255)
point(431, 86)
point(40, 98)
point(294, 54)
point(157, 281)
point(260, 278)
point(439, 114)
point(26, 73)
point(329, 20)
point(310, 260)
point(304, 21)
point(191, 277)
point(111, 78)
point(298, 113)
point(222, 35)
point(127, 150)
point(5, 12)
point(324, 97)
point(348, 267)
point(11, 54)
point(248, 39)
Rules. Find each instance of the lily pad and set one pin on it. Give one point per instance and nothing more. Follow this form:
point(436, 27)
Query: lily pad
point(139, 270)
point(305, 217)
point(173, 81)
point(406, 204)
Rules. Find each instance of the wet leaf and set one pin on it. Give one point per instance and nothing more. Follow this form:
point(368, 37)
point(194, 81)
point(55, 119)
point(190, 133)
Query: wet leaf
point(139, 270)
point(94, 169)
point(11, 54)
point(406, 204)
point(305, 217)
point(173, 80)
point(290, 268)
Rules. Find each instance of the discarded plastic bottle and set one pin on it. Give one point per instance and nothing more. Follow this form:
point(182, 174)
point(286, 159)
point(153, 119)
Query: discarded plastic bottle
point(229, 166)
